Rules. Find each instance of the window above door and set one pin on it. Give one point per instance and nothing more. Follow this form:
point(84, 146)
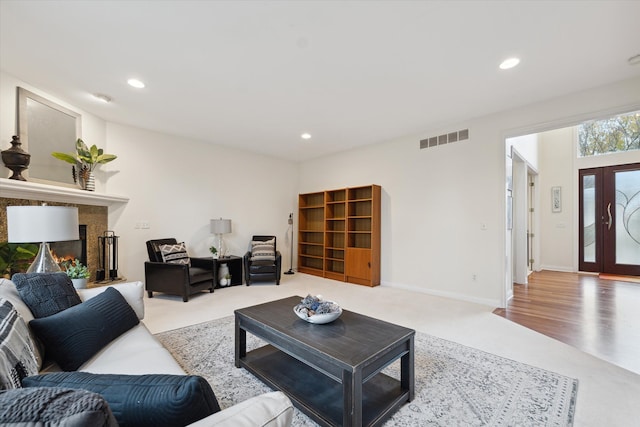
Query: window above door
point(615, 134)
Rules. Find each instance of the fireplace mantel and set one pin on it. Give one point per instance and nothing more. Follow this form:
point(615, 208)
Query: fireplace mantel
point(14, 189)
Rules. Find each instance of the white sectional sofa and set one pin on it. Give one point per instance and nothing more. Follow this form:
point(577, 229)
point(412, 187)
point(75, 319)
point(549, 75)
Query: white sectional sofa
point(137, 352)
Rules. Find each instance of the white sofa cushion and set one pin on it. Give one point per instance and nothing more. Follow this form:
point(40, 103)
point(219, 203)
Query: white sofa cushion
point(267, 410)
point(133, 292)
point(135, 352)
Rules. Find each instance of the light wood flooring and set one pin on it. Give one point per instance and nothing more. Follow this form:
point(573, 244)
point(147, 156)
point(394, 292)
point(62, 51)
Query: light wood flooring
point(600, 317)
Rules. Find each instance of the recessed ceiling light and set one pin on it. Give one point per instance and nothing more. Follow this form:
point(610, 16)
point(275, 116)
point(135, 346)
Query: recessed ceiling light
point(634, 60)
point(102, 97)
point(135, 83)
point(305, 136)
point(509, 63)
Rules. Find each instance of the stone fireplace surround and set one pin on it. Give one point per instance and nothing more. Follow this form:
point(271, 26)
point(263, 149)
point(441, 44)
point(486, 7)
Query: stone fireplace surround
point(93, 209)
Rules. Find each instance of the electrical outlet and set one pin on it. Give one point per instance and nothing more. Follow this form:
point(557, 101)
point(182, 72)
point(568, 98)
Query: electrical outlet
point(474, 277)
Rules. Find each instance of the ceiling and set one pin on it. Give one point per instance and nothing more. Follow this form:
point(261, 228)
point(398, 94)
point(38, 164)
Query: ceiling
point(255, 75)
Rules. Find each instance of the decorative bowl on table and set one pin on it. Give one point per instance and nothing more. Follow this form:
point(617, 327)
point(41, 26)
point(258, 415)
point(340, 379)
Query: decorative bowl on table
point(317, 310)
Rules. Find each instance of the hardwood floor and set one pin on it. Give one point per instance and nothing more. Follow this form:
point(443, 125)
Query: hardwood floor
point(600, 317)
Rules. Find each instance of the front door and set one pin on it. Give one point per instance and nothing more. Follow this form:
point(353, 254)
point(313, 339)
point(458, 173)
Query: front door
point(610, 219)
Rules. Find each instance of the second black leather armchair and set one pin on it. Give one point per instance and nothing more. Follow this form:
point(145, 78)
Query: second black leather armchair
point(261, 270)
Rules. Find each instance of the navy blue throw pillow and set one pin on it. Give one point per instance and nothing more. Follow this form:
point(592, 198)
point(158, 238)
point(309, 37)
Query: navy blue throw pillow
point(142, 400)
point(73, 336)
point(46, 293)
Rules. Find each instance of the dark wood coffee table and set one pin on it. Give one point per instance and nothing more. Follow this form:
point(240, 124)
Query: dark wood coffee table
point(330, 372)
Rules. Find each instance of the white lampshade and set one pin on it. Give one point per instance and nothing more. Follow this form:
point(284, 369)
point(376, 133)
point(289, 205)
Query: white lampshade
point(32, 224)
point(220, 226)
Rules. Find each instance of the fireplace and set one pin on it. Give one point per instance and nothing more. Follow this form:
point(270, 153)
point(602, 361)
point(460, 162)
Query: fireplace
point(92, 211)
point(72, 249)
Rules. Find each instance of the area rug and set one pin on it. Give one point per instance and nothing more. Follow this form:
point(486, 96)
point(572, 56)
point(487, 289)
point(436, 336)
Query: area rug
point(455, 385)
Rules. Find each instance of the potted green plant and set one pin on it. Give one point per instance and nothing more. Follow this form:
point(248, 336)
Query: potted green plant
point(78, 273)
point(84, 162)
point(214, 252)
point(16, 257)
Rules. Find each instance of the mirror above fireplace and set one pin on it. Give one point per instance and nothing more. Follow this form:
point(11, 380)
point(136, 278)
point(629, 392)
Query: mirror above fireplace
point(45, 127)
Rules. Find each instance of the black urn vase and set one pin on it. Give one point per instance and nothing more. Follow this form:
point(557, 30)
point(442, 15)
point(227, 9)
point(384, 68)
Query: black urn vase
point(16, 159)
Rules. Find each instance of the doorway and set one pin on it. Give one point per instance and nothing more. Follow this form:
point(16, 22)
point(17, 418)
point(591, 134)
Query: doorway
point(609, 219)
point(531, 220)
point(524, 220)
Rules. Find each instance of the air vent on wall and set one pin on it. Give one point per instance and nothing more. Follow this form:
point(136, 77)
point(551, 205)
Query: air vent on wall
point(433, 141)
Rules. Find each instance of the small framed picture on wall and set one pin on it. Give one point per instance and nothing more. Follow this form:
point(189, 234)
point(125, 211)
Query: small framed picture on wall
point(556, 199)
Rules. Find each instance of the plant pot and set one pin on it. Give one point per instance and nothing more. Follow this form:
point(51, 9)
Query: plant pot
point(79, 283)
point(88, 181)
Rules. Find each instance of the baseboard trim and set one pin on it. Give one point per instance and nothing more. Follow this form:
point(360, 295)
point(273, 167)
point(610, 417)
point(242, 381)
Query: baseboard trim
point(561, 268)
point(438, 293)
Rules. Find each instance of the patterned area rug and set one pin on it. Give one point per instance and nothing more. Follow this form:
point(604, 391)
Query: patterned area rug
point(455, 385)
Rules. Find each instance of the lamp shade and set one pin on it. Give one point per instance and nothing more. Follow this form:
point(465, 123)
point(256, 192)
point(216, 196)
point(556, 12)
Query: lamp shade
point(220, 226)
point(30, 224)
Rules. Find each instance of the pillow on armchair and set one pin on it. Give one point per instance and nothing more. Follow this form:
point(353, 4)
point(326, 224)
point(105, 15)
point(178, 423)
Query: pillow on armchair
point(263, 250)
point(175, 254)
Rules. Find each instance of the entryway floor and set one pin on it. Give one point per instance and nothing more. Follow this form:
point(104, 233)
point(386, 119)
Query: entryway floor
point(598, 316)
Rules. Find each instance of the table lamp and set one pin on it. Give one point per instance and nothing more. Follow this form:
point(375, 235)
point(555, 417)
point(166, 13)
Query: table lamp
point(30, 224)
point(220, 227)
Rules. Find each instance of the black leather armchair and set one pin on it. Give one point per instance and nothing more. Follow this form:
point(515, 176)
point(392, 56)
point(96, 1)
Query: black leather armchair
point(177, 279)
point(262, 270)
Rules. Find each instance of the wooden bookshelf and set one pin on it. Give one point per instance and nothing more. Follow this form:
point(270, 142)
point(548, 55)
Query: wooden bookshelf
point(339, 234)
point(311, 233)
point(334, 232)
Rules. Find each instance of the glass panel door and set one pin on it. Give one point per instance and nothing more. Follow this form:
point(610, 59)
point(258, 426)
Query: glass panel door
point(622, 219)
point(590, 220)
point(609, 219)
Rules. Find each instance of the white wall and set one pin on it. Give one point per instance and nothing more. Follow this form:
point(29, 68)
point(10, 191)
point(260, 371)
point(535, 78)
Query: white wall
point(433, 204)
point(436, 200)
point(557, 158)
point(178, 185)
point(527, 148)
